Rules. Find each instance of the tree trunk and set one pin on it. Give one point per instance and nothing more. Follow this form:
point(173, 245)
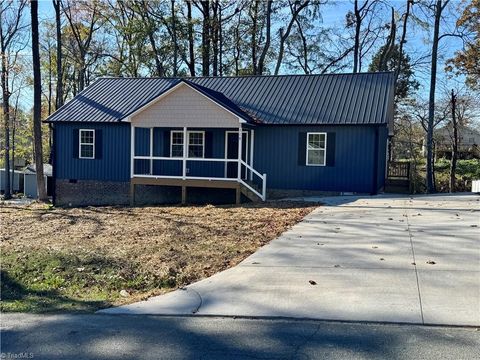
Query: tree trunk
point(398, 68)
point(261, 61)
point(431, 104)
point(284, 35)
point(58, 22)
point(206, 38)
point(356, 47)
point(214, 31)
point(6, 118)
point(50, 78)
point(453, 164)
point(37, 103)
point(191, 43)
point(220, 42)
point(253, 41)
point(174, 40)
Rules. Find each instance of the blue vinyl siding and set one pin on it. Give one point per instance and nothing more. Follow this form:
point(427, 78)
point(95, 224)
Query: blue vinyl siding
point(142, 141)
point(114, 164)
point(276, 154)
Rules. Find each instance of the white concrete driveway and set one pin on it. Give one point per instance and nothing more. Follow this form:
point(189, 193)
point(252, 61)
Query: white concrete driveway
point(395, 259)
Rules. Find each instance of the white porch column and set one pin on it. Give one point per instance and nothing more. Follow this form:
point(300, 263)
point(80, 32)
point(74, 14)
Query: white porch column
point(185, 149)
point(252, 139)
point(151, 151)
point(240, 133)
point(132, 151)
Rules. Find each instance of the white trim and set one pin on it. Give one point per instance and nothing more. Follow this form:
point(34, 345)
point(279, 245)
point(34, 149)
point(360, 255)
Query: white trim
point(185, 153)
point(88, 144)
point(226, 148)
point(188, 143)
point(140, 157)
point(166, 93)
point(132, 150)
point(171, 143)
point(252, 140)
point(239, 155)
point(203, 143)
point(324, 149)
point(181, 177)
point(151, 150)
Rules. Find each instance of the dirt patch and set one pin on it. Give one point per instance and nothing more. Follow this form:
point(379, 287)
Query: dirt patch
point(91, 254)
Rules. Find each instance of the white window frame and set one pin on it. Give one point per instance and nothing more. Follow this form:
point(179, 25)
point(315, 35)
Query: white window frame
point(188, 143)
point(171, 143)
point(324, 149)
point(80, 131)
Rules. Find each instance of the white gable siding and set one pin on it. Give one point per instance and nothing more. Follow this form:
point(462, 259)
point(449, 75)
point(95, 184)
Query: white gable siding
point(185, 106)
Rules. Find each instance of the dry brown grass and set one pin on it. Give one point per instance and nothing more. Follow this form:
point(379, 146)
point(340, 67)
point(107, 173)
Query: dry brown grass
point(174, 245)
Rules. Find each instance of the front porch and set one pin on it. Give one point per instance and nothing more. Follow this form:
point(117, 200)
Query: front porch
point(186, 157)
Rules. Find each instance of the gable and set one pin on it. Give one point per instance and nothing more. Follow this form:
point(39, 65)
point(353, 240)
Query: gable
point(184, 106)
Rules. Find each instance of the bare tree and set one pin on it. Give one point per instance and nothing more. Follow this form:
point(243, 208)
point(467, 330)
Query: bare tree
point(37, 104)
point(296, 8)
point(438, 8)
point(191, 40)
point(261, 62)
point(82, 33)
point(453, 163)
point(10, 31)
point(174, 38)
point(58, 27)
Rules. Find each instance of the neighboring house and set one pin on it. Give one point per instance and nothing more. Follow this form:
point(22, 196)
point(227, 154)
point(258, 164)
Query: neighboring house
point(468, 142)
point(149, 140)
point(30, 183)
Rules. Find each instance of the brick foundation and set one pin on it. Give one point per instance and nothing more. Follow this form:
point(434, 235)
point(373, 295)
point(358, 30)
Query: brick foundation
point(91, 192)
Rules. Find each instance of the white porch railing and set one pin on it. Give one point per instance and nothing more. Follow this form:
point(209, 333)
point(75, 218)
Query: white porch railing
point(243, 171)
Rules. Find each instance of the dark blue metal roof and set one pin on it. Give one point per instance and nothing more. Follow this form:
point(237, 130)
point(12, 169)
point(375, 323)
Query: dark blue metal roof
point(364, 98)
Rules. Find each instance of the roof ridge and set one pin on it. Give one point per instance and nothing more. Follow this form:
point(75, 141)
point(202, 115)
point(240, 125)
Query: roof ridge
point(239, 76)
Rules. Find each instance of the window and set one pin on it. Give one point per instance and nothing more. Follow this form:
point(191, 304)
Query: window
point(196, 144)
point(87, 144)
point(176, 148)
point(316, 149)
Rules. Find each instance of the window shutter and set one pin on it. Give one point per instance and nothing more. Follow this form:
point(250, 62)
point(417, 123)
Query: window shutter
point(98, 144)
point(166, 143)
point(75, 144)
point(208, 144)
point(330, 161)
point(302, 148)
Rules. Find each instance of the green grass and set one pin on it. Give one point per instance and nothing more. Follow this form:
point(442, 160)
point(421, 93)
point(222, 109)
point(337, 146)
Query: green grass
point(467, 170)
point(49, 281)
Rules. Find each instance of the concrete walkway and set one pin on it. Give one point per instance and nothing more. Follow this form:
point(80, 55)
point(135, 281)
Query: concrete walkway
point(387, 259)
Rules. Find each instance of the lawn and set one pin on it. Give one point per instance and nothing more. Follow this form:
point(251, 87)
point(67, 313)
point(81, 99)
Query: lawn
point(83, 259)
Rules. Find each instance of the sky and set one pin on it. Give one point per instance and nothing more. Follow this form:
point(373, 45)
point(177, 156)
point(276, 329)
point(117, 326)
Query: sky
point(417, 45)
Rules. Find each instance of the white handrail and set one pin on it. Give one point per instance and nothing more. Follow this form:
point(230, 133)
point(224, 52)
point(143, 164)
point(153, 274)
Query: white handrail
point(263, 177)
point(252, 169)
point(138, 157)
point(252, 190)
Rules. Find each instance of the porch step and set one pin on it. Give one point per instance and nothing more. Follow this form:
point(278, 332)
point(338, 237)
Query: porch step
point(249, 193)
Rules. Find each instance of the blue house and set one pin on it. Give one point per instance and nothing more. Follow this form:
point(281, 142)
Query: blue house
point(221, 139)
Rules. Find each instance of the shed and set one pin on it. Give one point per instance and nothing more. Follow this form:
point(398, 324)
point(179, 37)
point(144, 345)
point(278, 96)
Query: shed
point(17, 180)
point(30, 182)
